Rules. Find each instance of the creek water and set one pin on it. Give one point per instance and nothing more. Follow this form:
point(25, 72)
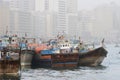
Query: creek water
point(109, 70)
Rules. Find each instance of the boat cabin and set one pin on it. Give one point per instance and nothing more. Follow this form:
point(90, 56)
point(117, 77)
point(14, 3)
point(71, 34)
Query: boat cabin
point(65, 47)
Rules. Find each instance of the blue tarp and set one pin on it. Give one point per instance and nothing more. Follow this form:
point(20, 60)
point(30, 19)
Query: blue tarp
point(47, 52)
point(22, 45)
point(50, 51)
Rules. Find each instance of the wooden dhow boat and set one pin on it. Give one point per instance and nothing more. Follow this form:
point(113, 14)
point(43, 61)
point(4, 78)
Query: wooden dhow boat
point(26, 48)
point(65, 57)
point(9, 65)
point(93, 57)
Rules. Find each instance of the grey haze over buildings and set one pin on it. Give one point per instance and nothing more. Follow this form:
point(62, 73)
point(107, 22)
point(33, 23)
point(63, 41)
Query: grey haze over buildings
point(89, 19)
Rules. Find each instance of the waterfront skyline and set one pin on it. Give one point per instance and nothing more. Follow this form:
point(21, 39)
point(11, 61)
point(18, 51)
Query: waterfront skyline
point(54, 16)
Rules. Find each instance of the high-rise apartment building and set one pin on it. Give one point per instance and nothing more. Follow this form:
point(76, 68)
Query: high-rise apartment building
point(44, 13)
point(48, 6)
point(72, 6)
point(72, 14)
point(21, 16)
point(103, 25)
point(26, 5)
point(4, 17)
point(116, 15)
point(65, 17)
point(85, 24)
point(62, 17)
point(40, 24)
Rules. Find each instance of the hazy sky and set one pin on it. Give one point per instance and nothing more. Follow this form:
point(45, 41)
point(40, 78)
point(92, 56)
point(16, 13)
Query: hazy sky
point(89, 4)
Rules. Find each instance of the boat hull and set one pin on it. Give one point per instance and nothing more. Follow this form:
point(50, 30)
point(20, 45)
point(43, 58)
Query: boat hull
point(65, 61)
point(10, 66)
point(92, 58)
point(69, 60)
point(26, 57)
point(55, 61)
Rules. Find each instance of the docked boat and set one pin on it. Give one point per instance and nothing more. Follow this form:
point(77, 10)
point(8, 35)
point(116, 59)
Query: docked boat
point(93, 57)
point(25, 45)
point(26, 57)
point(70, 60)
point(57, 58)
point(9, 65)
point(27, 54)
point(61, 54)
point(27, 50)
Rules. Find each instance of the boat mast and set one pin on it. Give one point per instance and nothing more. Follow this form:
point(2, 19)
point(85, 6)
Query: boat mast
point(6, 32)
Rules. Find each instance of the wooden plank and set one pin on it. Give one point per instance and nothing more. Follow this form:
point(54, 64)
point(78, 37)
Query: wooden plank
point(65, 65)
point(64, 58)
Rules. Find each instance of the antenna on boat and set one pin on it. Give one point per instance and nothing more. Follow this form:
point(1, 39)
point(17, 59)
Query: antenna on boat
point(25, 34)
point(103, 40)
point(79, 38)
point(6, 30)
point(20, 51)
